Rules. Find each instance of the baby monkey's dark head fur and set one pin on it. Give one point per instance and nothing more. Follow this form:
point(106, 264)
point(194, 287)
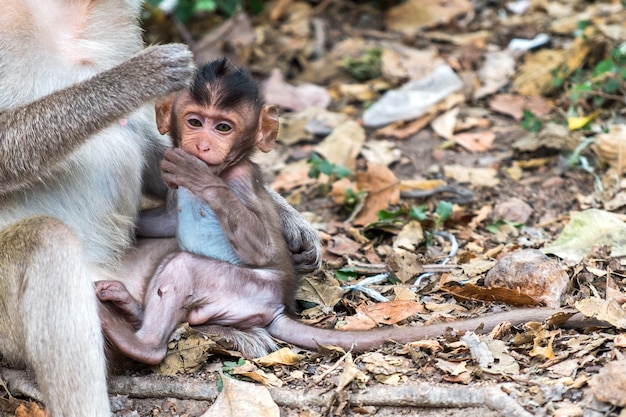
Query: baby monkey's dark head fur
point(220, 84)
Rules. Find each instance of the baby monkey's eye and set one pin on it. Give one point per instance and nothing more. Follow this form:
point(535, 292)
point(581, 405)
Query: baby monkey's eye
point(223, 127)
point(195, 122)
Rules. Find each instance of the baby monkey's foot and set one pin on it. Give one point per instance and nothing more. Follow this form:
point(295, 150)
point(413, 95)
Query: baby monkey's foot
point(116, 293)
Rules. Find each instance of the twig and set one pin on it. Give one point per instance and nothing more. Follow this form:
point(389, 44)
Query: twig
point(424, 394)
point(454, 248)
point(464, 195)
point(323, 375)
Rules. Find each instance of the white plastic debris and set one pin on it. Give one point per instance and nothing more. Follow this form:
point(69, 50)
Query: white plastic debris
point(414, 98)
point(518, 44)
point(519, 6)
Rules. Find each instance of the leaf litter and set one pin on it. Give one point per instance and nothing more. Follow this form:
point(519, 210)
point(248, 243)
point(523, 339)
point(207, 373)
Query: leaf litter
point(532, 133)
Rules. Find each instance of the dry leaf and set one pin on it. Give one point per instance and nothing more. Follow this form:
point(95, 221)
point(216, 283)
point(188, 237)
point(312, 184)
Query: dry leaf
point(292, 176)
point(284, 356)
point(324, 293)
point(350, 373)
point(444, 125)
point(233, 39)
point(404, 264)
point(514, 105)
point(382, 152)
point(249, 370)
point(486, 177)
point(410, 237)
point(401, 63)
point(240, 398)
point(495, 73)
point(469, 291)
point(390, 312)
point(379, 364)
point(343, 145)
point(543, 349)
point(414, 15)
point(403, 130)
point(383, 190)
point(536, 77)
point(342, 245)
point(297, 98)
point(30, 410)
point(609, 311)
point(186, 354)
point(479, 141)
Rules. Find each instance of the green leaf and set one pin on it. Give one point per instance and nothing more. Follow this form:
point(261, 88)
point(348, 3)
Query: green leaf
point(602, 67)
point(229, 7)
point(531, 122)
point(493, 227)
point(340, 171)
point(365, 67)
point(611, 85)
point(204, 6)
point(390, 215)
point(418, 213)
point(345, 274)
point(443, 211)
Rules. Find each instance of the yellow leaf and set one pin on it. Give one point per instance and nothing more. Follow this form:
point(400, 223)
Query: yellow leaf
point(284, 356)
point(575, 123)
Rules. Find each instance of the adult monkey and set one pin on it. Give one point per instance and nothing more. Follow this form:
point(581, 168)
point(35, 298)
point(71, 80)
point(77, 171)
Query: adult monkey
point(71, 181)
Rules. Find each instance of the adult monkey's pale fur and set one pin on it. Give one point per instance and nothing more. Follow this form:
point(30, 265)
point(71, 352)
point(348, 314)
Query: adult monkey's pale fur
point(72, 160)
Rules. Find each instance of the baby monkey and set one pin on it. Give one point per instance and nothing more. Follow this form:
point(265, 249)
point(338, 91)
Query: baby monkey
point(229, 233)
point(223, 213)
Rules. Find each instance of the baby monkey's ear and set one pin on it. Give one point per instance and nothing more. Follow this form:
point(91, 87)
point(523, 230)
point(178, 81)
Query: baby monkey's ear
point(268, 128)
point(163, 109)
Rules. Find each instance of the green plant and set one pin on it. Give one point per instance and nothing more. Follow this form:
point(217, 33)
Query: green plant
point(352, 199)
point(531, 122)
point(321, 166)
point(184, 10)
point(596, 86)
point(493, 227)
point(365, 67)
point(442, 213)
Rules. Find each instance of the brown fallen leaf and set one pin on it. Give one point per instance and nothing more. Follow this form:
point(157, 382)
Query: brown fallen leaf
point(390, 312)
point(404, 130)
point(292, 176)
point(240, 398)
point(250, 370)
point(383, 190)
point(536, 76)
point(474, 292)
point(342, 245)
point(479, 141)
point(478, 177)
point(284, 356)
point(543, 349)
point(609, 311)
point(343, 145)
point(514, 105)
point(30, 410)
point(413, 15)
point(277, 91)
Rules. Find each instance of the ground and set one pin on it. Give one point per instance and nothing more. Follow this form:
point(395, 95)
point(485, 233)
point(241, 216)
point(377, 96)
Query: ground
point(515, 180)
